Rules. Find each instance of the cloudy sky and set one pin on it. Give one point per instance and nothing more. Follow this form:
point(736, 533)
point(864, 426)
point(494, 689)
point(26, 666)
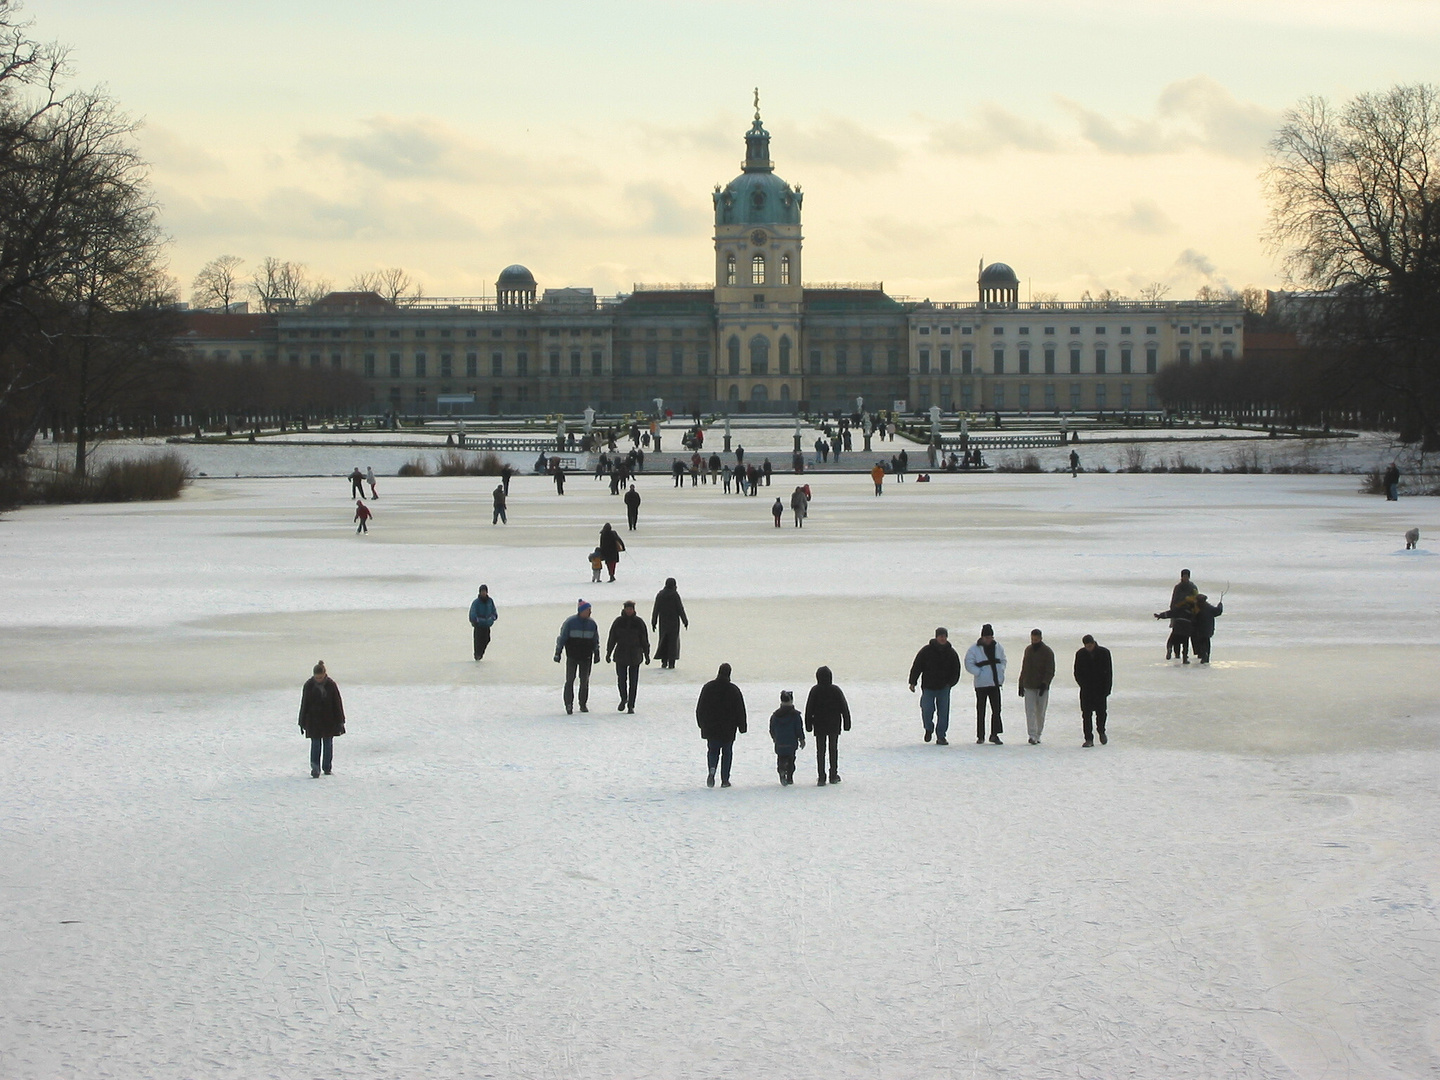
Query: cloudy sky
point(1089, 143)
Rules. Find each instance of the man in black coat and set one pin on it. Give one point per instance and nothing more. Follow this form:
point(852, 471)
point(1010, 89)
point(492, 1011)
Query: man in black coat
point(628, 644)
point(322, 717)
point(632, 506)
point(936, 669)
point(1203, 628)
point(1095, 676)
point(826, 713)
point(720, 715)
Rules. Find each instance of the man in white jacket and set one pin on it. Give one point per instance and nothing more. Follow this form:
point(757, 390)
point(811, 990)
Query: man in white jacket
point(986, 661)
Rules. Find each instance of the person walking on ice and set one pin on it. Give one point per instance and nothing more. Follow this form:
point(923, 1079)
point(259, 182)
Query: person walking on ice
point(363, 515)
point(628, 644)
point(497, 497)
point(877, 474)
point(720, 716)
point(356, 479)
point(579, 640)
point(936, 669)
point(370, 479)
point(1094, 674)
point(667, 615)
point(482, 617)
point(632, 507)
point(985, 660)
point(800, 504)
point(1203, 628)
point(1037, 672)
point(1074, 464)
point(322, 718)
point(826, 713)
point(777, 511)
point(597, 563)
point(787, 732)
point(610, 548)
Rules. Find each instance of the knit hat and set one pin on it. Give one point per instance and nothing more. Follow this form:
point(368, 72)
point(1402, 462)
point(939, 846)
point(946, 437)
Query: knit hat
point(987, 630)
point(786, 697)
point(583, 605)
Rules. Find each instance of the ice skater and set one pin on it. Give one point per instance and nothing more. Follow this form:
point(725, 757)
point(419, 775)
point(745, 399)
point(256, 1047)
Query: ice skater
point(985, 660)
point(579, 639)
point(826, 714)
point(667, 615)
point(322, 718)
point(720, 716)
point(362, 515)
point(370, 479)
point(1094, 674)
point(628, 644)
point(482, 617)
point(936, 669)
point(787, 732)
point(356, 479)
point(497, 498)
point(1037, 672)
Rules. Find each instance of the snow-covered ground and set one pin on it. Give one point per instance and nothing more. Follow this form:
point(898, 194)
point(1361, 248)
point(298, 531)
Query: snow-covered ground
point(1242, 883)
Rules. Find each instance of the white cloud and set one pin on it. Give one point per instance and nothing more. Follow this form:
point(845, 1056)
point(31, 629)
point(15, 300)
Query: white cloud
point(990, 129)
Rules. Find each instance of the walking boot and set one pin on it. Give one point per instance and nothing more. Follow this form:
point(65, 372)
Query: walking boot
point(710, 780)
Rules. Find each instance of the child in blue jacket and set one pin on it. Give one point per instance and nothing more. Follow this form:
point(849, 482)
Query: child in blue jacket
point(787, 729)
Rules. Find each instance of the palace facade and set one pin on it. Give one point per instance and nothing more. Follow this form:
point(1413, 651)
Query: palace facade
point(757, 340)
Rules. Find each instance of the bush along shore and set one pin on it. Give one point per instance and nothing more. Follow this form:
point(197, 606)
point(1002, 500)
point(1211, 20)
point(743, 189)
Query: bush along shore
point(162, 476)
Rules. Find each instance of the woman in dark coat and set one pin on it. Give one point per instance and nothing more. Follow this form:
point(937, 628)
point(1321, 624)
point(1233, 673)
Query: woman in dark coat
point(666, 617)
point(610, 547)
point(826, 712)
point(720, 715)
point(322, 717)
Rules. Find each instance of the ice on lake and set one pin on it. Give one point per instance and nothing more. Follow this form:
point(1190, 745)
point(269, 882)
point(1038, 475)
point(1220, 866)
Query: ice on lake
point(1242, 883)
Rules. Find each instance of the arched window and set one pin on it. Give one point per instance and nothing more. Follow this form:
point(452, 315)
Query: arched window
point(785, 392)
point(733, 347)
point(734, 394)
point(759, 393)
point(757, 270)
point(730, 270)
point(784, 269)
point(784, 356)
point(759, 355)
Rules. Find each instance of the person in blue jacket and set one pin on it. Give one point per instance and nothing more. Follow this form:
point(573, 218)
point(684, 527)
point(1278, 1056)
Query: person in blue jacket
point(579, 640)
point(787, 731)
point(482, 618)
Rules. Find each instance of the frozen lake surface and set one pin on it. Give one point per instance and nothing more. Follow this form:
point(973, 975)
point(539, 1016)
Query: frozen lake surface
point(1245, 882)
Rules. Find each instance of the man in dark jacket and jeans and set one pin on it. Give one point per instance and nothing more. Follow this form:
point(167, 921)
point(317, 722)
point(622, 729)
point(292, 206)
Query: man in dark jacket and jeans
point(936, 669)
point(1095, 676)
point(580, 641)
point(628, 644)
point(720, 714)
point(826, 712)
point(322, 718)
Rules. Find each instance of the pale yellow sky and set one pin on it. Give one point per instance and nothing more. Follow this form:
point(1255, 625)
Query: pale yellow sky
point(1090, 144)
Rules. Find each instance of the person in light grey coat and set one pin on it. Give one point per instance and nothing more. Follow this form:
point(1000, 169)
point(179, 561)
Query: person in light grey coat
point(985, 660)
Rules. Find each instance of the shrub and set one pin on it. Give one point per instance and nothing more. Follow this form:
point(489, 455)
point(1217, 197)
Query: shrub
point(1181, 464)
point(416, 466)
point(1245, 461)
point(163, 476)
point(1135, 457)
point(460, 463)
point(1009, 464)
point(1373, 483)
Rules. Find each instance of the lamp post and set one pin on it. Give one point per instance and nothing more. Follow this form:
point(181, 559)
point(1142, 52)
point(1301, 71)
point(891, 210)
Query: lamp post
point(797, 433)
point(727, 433)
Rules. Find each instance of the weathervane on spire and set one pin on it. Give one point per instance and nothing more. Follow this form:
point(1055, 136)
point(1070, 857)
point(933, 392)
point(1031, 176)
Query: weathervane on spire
point(757, 103)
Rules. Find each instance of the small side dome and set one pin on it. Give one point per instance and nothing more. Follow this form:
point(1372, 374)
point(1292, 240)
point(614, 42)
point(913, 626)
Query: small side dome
point(999, 275)
point(515, 288)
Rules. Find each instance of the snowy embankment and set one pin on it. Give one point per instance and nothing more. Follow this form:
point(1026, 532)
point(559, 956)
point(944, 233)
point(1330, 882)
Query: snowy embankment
point(1243, 882)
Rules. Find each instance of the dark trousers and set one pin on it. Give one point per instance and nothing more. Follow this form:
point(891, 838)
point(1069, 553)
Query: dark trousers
point(632, 516)
point(322, 753)
point(1178, 643)
point(577, 665)
point(482, 641)
point(1201, 645)
point(722, 753)
point(1092, 705)
point(992, 695)
point(833, 741)
point(785, 766)
point(628, 676)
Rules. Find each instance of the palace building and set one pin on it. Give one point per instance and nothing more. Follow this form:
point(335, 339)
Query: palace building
point(758, 340)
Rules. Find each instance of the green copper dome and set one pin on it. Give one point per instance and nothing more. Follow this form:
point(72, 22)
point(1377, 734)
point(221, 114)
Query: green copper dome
point(757, 196)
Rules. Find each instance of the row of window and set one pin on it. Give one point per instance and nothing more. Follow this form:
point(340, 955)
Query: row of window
point(1101, 364)
point(1024, 398)
point(1075, 331)
point(759, 274)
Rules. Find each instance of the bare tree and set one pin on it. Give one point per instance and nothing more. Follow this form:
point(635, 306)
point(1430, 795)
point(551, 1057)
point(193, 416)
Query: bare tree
point(1355, 210)
point(1216, 292)
point(1045, 297)
point(218, 283)
point(1109, 296)
point(393, 283)
point(1155, 292)
point(277, 284)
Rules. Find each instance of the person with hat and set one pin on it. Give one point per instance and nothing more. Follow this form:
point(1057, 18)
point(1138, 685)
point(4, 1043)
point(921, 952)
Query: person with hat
point(1095, 676)
point(720, 716)
point(826, 714)
point(580, 641)
point(787, 732)
point(1203, 628)
point(936, 669)
point(985, 660)
point(628, 643)
point(482, 617)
